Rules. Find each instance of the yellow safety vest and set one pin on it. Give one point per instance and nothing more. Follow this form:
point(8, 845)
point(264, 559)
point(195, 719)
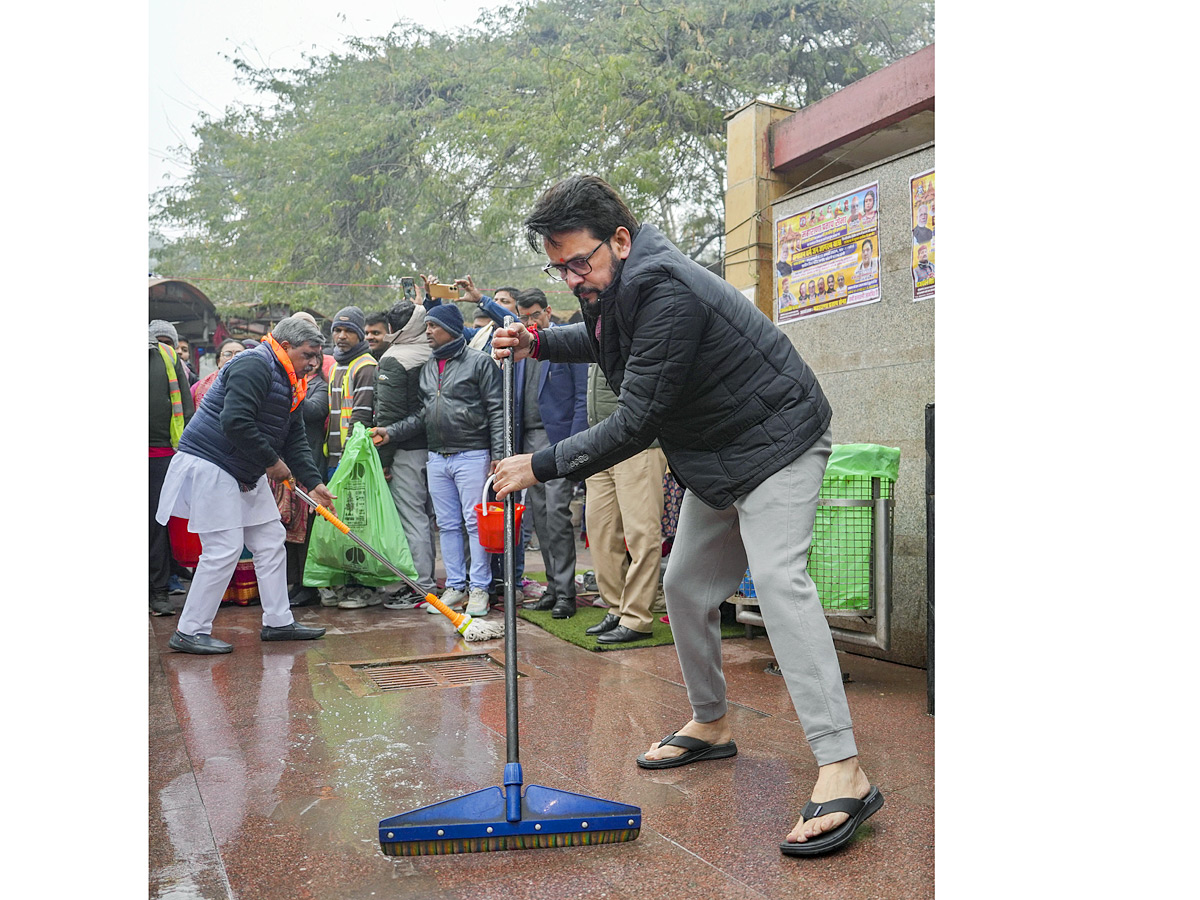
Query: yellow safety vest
point(347, 398)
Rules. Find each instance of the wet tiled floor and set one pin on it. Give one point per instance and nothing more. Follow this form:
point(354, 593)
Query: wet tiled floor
point(271, 767)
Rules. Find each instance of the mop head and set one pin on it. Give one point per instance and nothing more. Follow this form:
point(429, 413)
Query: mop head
point(471, 629)
point(479, 629)
point(477, 823)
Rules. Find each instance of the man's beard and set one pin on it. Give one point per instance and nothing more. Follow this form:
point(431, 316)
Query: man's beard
point(594, 305)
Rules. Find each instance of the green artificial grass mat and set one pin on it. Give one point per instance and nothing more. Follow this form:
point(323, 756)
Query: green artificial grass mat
point(571, 630)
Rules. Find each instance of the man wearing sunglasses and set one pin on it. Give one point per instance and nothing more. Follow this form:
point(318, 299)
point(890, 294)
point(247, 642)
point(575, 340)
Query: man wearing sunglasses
point(745, 428)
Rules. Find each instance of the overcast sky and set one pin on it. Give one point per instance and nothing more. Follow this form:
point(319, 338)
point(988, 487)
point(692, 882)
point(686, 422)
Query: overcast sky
point(189, 40)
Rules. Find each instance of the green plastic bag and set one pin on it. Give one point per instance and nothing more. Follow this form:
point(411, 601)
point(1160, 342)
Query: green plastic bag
point(839, 559)
point(364, 502)
point(863, 461)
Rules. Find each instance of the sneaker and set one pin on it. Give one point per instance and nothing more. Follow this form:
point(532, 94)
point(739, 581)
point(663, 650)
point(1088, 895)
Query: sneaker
point(328, 596)
point(360, 598)
point(532, 590)
point(398, 587)
point(404, 601)
point(477, 604)
point(452, 597)
point(175, 586)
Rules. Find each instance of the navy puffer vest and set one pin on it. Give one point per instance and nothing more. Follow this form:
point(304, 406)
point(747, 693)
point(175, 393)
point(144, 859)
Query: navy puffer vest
point(204, 436)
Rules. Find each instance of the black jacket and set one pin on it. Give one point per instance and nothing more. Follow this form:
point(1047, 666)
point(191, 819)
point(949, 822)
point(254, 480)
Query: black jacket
point(160, 398)
point(696, 365)
point(461, 409)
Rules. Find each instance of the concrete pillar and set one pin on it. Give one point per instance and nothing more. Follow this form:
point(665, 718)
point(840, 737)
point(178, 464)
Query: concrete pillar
point(751, 187)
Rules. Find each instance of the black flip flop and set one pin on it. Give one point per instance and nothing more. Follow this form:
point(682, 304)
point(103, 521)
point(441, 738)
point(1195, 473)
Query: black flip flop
point(696, 750)
point(858, 810)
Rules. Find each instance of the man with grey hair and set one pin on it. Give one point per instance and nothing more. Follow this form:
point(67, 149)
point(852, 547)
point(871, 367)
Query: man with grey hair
point(248, 428)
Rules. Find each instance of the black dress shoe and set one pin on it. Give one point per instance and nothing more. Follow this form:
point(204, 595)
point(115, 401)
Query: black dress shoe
point(608, 623)
point(622, 635)
point(293, 632)
point(563, 609)
point(303, 596)
point(160, 604)
point(204, 644)
point(547, 602)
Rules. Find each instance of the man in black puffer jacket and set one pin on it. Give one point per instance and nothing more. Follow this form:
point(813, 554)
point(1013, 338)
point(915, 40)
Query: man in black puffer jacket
point(745, 427)
point(462, 416)
point(249, 427)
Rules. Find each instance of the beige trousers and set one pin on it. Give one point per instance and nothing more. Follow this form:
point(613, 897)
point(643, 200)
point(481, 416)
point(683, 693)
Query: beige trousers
point(625, 508)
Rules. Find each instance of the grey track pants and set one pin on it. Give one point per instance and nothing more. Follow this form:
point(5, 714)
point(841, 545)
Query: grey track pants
point(769, 529)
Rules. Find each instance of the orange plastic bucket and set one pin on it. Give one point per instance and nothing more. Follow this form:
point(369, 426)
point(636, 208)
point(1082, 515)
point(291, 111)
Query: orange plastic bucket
point(491, 524)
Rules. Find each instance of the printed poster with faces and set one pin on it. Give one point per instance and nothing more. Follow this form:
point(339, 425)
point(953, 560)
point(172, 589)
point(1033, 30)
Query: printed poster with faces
point(923, 240)
point(827, 257)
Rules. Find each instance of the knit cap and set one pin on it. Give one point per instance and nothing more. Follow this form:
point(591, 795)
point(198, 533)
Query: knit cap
point(163, 327)
point(353, 318)
point(448, 316)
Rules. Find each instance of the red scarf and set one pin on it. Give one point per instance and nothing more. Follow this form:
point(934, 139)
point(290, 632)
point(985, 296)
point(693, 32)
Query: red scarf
point(299, 385)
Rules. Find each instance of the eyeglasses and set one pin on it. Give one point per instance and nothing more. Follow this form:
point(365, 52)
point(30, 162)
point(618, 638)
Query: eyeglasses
point(531, 318)
point(228, 354)
point(579, 265)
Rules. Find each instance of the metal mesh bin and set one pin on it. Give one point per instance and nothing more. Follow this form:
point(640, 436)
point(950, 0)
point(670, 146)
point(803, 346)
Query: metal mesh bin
point(850, 556)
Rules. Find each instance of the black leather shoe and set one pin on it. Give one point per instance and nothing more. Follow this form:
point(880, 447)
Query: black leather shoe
point(564, 608)
point(303, 596)
point(293, 632)
point(608, 623)
point(544, 604)
point(204, 644)
point(622, 635)
point(160, 604)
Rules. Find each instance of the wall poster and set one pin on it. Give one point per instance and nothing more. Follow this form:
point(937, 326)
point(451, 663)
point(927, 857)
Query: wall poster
point(827, 257)
point(921, 194)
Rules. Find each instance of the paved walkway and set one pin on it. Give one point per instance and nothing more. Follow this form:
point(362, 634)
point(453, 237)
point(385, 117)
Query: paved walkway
point(271, 767)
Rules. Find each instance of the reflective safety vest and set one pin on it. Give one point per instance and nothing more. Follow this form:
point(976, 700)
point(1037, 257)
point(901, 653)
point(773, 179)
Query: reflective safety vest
point(169, 358)
point(365, 359)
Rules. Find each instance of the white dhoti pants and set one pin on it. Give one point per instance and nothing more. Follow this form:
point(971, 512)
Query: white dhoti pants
point(226, 519)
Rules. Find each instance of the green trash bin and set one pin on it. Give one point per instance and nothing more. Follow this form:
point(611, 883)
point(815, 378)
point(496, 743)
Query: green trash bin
point(840, 559)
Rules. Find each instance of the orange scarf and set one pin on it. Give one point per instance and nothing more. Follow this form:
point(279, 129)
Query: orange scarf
point(299, 385)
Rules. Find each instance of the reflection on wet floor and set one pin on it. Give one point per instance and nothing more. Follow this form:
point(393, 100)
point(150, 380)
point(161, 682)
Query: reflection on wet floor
point(269, 773)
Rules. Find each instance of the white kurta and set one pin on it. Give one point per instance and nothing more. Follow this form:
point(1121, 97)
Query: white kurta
point(224, 503)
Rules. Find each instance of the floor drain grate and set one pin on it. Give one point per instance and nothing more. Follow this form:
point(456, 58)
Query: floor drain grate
point(457, 672)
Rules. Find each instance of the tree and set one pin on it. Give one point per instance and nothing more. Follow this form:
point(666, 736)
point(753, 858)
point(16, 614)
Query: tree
point(419, 151)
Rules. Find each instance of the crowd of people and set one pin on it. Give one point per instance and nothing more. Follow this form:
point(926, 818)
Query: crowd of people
point(669, 366)
point(425, 385)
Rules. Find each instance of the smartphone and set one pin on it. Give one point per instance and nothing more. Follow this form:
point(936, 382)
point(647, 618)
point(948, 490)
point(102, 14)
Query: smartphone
point(410, 288)
point(443, 291)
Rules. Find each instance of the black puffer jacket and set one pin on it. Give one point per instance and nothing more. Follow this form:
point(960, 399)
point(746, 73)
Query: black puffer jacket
point(398, 383)
point(696, 365)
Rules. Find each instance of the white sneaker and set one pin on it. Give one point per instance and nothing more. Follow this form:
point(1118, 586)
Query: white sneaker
point(329, 596)
point(477, 605)
point(452, 597)
point(360, 598)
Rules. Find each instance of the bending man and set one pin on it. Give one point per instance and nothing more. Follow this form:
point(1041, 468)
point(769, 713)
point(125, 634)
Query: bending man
point(248, 428)
point(745, 427)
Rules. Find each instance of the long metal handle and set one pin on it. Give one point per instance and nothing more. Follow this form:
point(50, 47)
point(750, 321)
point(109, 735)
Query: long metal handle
point(433, 599)
point(511, 727)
